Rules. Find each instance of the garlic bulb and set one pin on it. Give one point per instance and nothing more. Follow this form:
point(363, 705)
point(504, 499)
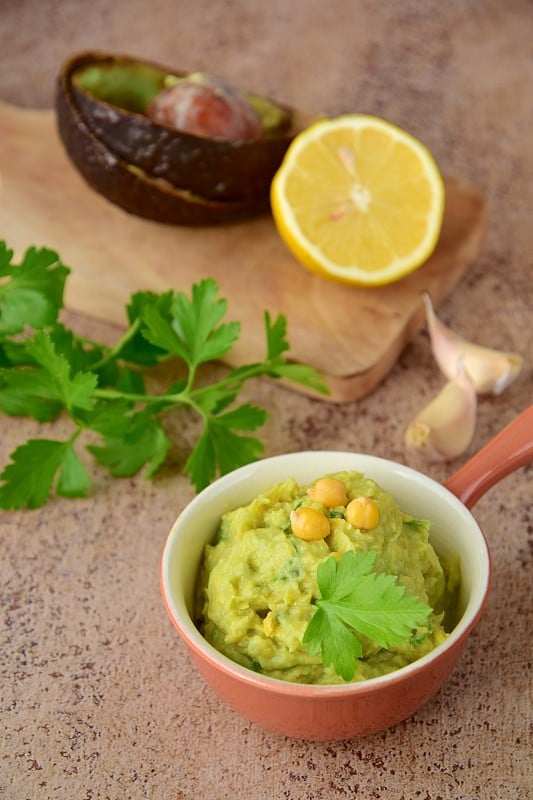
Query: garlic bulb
point(491, 371)
point(445, 427)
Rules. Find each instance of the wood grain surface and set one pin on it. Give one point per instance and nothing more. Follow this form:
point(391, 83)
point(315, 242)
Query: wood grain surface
point(352, 336)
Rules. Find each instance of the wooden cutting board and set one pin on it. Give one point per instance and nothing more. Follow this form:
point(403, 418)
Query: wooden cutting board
point(352, 336)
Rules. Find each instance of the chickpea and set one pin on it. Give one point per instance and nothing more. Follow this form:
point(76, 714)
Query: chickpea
point(362, 513)
point(309, 524)
point(330, 492)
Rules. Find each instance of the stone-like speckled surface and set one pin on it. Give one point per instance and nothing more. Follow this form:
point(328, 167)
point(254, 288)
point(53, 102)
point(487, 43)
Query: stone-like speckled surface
point(98, 699)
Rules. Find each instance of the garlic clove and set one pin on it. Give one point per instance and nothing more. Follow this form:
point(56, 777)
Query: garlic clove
point(444, 429)
point(490, 370)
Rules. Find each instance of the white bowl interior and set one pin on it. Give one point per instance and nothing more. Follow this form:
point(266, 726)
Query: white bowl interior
point(453, 528)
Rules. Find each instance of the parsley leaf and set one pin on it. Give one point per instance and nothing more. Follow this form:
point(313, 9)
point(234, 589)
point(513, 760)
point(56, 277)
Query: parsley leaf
point(44, 387)
point(29, 477)
point(221, 445)
point(193, 332)
point(275, 364)
point(354, 601)
point(46, 369)
point(129, 447)
point(34, 292)
point(136, 348)
point(277, 344)
point(73, 392)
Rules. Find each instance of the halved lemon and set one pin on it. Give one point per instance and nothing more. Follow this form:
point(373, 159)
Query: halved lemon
point(358, 200)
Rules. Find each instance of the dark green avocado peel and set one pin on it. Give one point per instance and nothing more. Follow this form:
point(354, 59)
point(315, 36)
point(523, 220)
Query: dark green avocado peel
point(155, 171)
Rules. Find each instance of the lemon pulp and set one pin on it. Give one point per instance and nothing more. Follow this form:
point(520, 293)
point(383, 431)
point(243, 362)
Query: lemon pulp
point(358, 200)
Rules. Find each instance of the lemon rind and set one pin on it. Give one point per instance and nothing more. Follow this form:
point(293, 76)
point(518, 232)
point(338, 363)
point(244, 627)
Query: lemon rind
point(309, 254)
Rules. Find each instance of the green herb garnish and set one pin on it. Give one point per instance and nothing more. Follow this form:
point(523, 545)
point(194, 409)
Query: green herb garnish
point(47, 370)
point(411, 522)
point(355, 601)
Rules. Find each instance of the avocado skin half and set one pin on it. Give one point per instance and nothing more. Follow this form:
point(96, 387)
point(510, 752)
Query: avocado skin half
point(132, 190)
point(213, 168)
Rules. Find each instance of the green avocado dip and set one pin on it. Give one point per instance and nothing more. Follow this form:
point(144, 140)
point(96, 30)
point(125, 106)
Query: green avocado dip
point(257, 584)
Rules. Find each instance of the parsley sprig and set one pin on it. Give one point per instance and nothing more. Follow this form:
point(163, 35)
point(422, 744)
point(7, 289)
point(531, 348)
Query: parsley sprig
point(353, 600)
point(47, 370)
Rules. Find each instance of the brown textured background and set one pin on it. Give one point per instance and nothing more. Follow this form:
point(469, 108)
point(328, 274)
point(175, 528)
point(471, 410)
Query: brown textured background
point(98, 699)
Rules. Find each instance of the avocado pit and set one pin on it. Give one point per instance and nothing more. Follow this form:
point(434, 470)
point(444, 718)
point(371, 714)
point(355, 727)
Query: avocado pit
point(206, 107)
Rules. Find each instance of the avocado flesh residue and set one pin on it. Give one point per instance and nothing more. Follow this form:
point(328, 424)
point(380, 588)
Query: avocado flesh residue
point(130, 88)
point(275, 120)
point(133, 87)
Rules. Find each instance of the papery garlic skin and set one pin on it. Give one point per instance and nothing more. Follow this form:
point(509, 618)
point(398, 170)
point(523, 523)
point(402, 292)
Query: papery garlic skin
point(444, 429)
point(491, 370)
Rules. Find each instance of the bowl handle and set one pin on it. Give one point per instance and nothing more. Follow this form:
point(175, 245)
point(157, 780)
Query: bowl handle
point(510, 449)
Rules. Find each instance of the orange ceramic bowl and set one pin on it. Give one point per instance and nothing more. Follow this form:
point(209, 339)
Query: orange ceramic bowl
point(338, 711)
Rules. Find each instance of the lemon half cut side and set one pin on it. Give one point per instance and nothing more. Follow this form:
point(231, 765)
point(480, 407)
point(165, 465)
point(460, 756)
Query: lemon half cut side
point(358, 200)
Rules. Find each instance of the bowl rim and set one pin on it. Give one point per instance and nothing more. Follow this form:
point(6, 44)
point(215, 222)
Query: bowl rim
point(196, 643)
